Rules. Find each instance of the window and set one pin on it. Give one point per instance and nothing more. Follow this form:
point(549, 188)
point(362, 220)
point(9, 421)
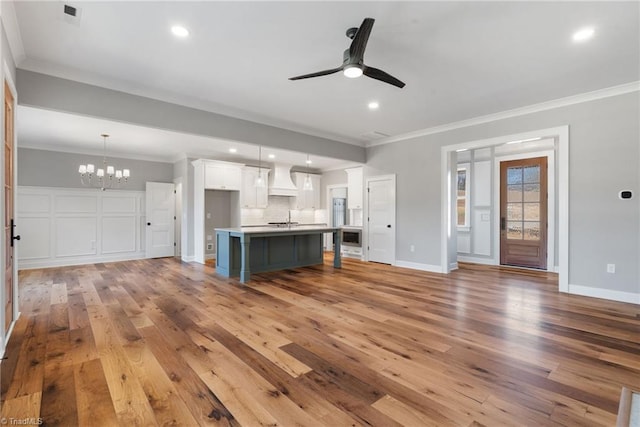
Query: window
point(462, 202)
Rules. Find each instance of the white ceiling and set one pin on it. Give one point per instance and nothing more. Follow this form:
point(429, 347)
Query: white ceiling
point(459, 60)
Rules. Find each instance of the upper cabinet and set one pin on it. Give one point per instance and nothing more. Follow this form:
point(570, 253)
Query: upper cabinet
point(306, 199)
point(252, 195)
point(222, 175)
point(354, 188)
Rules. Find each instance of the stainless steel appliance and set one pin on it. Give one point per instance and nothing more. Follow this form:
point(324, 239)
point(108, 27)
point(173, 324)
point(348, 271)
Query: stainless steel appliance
point(352, 236)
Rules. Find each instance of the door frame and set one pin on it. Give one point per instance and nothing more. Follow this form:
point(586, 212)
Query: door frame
point(551, 202)
point(7, 77)
point(448, 162)
point(365, 235)
point(177, 224)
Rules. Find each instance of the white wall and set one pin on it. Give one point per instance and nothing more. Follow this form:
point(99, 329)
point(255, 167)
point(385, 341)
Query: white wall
point(79, 226)
point(277, 211)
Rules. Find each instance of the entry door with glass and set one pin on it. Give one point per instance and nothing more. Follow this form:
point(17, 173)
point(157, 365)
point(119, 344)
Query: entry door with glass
point(523, 213)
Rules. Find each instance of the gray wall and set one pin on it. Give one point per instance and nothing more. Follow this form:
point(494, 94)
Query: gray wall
point(604, 158)
point(217, 204)
point(55, 169)
point(53, 93)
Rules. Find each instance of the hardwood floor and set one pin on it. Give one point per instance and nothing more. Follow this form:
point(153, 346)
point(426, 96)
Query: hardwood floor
point(159, 342)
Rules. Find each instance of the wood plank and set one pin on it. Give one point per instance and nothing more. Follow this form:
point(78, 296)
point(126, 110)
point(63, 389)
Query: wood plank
point(164, 342)
point(91, 388)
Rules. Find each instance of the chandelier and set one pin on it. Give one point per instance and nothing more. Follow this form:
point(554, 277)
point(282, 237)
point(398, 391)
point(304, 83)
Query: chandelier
point(104, 177)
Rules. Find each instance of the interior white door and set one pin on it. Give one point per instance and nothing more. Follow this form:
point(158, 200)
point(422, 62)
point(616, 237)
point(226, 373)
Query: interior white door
point(160, 212)
point(381, 237)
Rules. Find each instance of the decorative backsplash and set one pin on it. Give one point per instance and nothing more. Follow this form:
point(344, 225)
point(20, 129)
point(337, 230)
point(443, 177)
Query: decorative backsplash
point(277, 211)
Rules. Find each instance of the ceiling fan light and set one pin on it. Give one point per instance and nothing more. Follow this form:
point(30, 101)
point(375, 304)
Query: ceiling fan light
point(352, 71)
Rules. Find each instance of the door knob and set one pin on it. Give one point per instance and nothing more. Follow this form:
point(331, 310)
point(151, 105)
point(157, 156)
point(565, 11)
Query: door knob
point(388, 225)
point(148, 223)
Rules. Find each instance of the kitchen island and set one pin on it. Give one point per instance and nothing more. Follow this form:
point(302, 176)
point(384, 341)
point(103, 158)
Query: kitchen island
point(245, 250)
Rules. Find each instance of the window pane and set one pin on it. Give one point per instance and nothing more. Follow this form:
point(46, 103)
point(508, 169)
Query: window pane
point(514, 211)
point(462, 183)
point(461, 212)
point(531, 231)
point(514, 176)
point(532, 211)
point(514, 193)
point(532, 192)
point(514, 230)
point(532, 174)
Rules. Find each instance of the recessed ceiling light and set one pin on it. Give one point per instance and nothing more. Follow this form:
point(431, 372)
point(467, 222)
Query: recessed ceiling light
point(373, 105)
point(179, 31)
point(460, 150)
point(308, 162)
point(233, 150)
point(583, 34)
point(272, 156)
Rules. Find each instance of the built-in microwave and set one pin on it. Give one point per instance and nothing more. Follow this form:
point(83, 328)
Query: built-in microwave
point(352, 236)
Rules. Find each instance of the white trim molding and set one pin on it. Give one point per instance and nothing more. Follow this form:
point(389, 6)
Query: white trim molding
point(419, 266)
point(608, 294)
point(535, 108)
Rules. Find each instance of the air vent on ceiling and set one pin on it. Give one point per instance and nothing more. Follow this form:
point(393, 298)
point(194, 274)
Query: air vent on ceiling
point(374, 135)
point(71, 14)
point(70, 10)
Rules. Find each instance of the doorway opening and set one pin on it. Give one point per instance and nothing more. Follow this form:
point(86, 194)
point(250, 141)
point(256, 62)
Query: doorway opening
point(552, 143)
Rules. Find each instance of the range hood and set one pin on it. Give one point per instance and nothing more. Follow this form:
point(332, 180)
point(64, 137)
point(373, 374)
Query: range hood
point(281, 184)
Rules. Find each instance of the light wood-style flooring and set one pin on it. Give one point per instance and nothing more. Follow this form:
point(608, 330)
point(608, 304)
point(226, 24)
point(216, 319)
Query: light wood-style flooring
point(160, 342)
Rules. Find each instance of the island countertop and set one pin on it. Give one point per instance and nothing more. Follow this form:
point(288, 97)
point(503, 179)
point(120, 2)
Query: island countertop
point(279, 230)
point(243, 250)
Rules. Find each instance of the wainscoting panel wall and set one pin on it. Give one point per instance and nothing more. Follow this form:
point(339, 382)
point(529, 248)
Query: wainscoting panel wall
point(78, 226)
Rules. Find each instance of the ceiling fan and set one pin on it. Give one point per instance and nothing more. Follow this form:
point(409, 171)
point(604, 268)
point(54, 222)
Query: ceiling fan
point(353, 58)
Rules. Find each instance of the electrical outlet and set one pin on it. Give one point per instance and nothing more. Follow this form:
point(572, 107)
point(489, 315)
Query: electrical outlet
point(611, 268)
point(209, 246)
point(412, 248)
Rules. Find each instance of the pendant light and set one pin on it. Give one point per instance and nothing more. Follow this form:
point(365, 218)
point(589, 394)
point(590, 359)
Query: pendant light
point(259, 183)
point(105, 177)
point(308, 184)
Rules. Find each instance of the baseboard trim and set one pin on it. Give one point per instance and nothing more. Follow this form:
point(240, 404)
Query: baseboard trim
point(188, 258)
point(419, 266)
point(63, 262)
point(474, 260)
point(210, 256)
point(608, 294)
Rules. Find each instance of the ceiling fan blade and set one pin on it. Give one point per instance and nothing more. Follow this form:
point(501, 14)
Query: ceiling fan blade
point(359, 43)
point(374, 73)
point(317, 74)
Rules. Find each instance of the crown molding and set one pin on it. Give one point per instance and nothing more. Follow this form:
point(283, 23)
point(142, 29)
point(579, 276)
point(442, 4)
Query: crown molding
point(543, 106)
point(11, 28)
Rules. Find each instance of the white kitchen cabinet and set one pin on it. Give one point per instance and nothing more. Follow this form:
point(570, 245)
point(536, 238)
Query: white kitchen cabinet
point(222, 176)
point(306, 199)
point(354, 188)
point(250, 195)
